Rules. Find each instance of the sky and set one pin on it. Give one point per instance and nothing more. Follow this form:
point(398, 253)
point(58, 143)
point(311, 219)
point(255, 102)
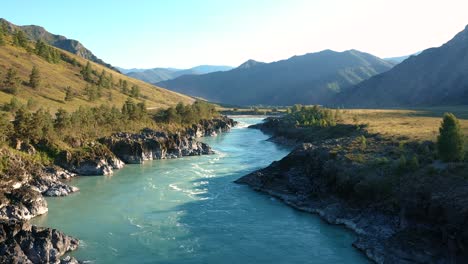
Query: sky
point(186, 33)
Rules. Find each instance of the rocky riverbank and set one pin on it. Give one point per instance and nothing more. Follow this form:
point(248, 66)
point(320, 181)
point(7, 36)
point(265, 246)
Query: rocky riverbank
point(404, 206)
point(24, 181)
point(153, 145)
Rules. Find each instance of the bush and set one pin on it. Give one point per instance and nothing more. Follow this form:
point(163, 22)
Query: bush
point(450, 142)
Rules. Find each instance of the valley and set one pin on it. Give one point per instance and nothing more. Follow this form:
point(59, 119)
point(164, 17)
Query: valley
point(312, 150)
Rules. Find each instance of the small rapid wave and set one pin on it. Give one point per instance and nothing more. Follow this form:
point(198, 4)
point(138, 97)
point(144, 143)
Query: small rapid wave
point(241, 125)
point(132, 222)
point(191, 193)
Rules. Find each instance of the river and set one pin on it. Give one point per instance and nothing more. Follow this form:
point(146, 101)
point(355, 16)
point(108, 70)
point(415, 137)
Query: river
point(189, 210)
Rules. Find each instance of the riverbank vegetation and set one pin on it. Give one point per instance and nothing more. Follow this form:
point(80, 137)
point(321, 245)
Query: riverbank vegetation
point(49, 133)
point(369, 139)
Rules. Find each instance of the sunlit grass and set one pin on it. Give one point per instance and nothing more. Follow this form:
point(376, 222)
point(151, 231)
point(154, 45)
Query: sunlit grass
point(56, 77)
point(414, 124)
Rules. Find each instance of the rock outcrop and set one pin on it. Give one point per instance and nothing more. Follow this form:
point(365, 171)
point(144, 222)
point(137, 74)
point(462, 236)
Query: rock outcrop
point(94, 159)
point(50, 182)
point(154, 145)
point(23, 184)
point(22, 243)
point(21, 204)
point(213, 127)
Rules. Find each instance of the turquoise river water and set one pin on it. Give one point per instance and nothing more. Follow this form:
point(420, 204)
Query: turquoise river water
point(189, 210)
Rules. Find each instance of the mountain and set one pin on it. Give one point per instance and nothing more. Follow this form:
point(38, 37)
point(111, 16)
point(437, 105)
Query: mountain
point(400, 59)
point(73, 46)
point(249, 64)
point(437, 76)
point(156, 75)
point(313, 78)
point(65, 73)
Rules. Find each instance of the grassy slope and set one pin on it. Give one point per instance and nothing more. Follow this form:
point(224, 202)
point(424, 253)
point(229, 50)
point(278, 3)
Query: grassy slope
point(56, 77)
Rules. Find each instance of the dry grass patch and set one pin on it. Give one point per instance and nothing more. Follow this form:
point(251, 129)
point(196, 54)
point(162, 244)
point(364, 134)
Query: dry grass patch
point(414, 124)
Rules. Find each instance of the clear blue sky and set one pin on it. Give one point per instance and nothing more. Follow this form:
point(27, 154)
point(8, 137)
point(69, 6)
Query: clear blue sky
point(185, 33)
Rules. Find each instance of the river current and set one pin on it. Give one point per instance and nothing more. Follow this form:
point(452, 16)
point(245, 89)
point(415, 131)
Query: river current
point(189, 210)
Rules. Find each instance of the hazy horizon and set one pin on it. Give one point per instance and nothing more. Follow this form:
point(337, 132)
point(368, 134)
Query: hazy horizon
point(184, 34)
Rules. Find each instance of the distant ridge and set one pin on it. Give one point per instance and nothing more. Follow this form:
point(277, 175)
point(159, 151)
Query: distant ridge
point(437, 76)
point(156, 75)
point(73, 46)
point(313, 78)
point(400, 59)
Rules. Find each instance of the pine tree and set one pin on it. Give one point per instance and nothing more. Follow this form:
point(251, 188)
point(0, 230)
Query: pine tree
point(86, 72)
point(22, 123)
point(11, 81)
point(2, 37)
point(103, 81)
point(128, 109)
point(135, 92)
point(62, 119)
point(6, 128)
point(35, 78)
point(125, 87)
point(450, 142)
point(40, 48)
point(92, 92)
point(111, 80)
point(19, 39)
point(68, 94)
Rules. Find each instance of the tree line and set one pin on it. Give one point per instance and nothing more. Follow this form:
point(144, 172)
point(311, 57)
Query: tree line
point(187, 114)
point(63, 129)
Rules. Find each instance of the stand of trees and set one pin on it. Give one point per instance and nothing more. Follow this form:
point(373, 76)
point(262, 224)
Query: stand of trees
point(188, 114)
point(300, 115)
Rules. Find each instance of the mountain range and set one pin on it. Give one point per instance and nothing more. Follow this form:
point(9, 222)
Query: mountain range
point(35, 33)
point(437, 76)
point(156, 75)
point(313, 78)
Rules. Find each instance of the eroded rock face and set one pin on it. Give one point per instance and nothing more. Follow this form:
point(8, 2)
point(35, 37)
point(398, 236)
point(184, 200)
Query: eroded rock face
point(99, 161)
point(21, 204)
point(22, 243)
point(154, 145)
point(50, 182)
point(213, 127)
